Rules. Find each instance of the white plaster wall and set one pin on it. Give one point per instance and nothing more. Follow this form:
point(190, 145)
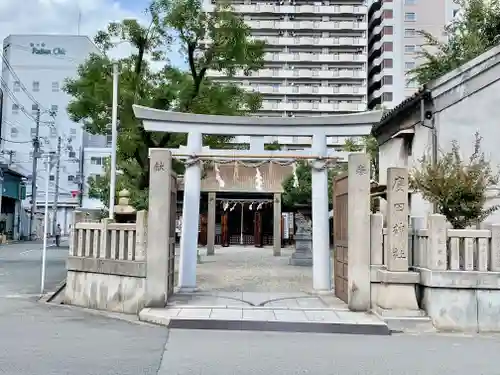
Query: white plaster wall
point(478, 112)
point(466, 101)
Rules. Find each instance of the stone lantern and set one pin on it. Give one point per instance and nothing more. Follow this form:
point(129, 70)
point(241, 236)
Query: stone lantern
point(124, 212)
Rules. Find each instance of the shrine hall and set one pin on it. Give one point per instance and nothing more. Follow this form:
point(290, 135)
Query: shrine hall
point(240, 204)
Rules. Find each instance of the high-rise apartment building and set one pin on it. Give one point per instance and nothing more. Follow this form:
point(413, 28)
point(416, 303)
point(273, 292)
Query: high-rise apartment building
point(394, 43)
point(316, 55)
point(34, 68)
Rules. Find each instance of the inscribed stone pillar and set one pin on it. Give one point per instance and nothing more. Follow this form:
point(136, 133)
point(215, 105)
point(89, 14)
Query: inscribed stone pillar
point(211, 224)
point(495, 248)
point(397, 219)
point(190, 217)
point(322, 280)
point(436, 249)
point(277, 224)
point(160, 181)
point(358, 236)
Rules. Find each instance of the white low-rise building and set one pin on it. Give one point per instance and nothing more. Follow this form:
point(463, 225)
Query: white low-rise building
point(458, 105)
point(34, 69)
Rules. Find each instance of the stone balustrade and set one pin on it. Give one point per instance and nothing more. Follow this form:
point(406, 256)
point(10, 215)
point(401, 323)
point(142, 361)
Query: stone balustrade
point(108, 240)
point(458, 271)
point(107, 260)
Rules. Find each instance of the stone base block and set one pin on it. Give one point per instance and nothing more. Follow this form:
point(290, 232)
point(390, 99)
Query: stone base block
point(464, 309)
point(396, 298)
point(186, 289)
point(122, 294)
point(399, 313)
point(302, 259)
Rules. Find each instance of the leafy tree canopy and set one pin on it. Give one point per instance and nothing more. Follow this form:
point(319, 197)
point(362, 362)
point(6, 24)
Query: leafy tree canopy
point(458, 187)
point(167, 88)
point(475, 31)
point(301, 194)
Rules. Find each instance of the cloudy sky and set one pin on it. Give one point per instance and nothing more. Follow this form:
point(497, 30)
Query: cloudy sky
point(61, 17)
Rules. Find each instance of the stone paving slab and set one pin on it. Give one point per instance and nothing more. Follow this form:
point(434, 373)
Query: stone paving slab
point(266, 319)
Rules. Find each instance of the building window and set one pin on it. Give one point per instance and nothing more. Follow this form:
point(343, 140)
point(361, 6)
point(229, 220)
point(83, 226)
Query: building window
point(53, 132)
point(17, 86)
point(33, 132)
point(95, 160)
point(36, 86)
point(410, 2)
point(109, 139)
point(34, 109)
point(409, 65)
point(55, 86)
point(15, 109)
point(455, 12)
point(387, 46)
point(410, 16)
point(387, 14)
point(410, 33)
point(410, 48)
point(71, 178)
point(52, 177)
point(387, 97)
point(388, 30)
point(387, 63)
point(13, 132)
point(54, 108)
point(387, 80)
point(73, 131)
point(72, 154)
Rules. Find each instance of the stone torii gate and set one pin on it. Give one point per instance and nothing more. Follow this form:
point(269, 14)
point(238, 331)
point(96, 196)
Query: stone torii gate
point(195, 125)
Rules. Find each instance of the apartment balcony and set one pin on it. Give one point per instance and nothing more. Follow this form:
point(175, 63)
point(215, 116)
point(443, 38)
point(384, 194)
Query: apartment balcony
point(310, 41)
point(307, 90)
point(297, 73)
point(313, 107)
point(307, 25)
point(333, 142)
point(294, 9)
point(319, 57)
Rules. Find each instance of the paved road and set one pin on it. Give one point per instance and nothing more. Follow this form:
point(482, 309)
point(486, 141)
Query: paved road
point(42, 339)
point(253, 353)
point(20, 268)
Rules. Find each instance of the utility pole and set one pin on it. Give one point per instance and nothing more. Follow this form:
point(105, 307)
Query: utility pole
point(36, 155)
point(80, 177)
point(56, 193)
point(114, 135)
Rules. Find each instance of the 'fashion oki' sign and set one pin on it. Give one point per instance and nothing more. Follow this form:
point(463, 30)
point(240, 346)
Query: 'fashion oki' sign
point(40, 49)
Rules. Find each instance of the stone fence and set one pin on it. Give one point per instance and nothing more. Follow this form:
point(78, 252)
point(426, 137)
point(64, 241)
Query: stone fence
point(455, 275)
point(107, 265)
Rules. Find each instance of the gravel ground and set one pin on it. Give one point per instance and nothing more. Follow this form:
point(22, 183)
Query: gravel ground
point(252, 269)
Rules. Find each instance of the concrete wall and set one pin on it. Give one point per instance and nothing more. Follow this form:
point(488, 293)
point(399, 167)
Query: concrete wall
point(123, 294)
point(465, 309)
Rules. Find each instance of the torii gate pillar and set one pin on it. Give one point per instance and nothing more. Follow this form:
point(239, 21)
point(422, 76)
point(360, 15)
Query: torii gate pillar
point(190, 217)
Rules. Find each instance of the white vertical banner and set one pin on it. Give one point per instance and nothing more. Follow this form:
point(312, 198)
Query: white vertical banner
point(286, 225)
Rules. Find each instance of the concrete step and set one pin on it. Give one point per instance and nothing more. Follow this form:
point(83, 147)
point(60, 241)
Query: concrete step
point(261, 319)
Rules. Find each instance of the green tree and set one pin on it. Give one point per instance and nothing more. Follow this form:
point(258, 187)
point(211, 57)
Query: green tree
point(169, 88)
point(301, 194)
point(472, 33)
point(458, 187)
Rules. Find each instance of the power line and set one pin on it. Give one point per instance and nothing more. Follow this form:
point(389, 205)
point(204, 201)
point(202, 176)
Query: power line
point(21, 85)
point(11, 141)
